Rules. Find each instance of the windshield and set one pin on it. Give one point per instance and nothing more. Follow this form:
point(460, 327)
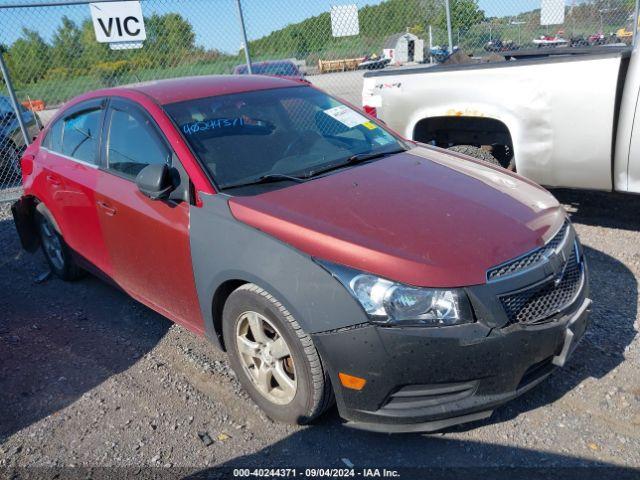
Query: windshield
point(286, 131)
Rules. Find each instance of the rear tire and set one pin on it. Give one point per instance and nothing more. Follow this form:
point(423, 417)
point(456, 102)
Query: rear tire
point(476, 152)
point(56, 252)
point(273, 345)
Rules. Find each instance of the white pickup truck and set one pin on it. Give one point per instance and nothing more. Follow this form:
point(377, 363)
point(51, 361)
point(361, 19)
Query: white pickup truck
point(567, 118)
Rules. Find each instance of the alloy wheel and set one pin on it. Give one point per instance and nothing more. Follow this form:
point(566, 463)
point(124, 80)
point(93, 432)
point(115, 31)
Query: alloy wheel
point(52, 244)
point(266, 358)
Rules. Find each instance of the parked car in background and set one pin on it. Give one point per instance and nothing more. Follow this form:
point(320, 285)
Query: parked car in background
point(563, 119)
point(278, 68)
point(328, 256)
point(11, 138)
point(441, 53)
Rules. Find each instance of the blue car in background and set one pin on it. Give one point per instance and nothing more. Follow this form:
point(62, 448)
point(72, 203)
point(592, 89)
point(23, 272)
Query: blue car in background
point(278, 68)
point(11, 139)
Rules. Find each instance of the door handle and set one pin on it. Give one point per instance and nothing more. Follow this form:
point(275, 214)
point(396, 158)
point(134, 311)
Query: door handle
point(108, 209)
point(53, 180)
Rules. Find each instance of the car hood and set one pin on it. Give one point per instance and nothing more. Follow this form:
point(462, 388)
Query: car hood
point(423, 217)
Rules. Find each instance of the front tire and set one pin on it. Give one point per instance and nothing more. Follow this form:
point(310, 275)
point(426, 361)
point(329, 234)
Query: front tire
point(56, 252)
point(275, 360)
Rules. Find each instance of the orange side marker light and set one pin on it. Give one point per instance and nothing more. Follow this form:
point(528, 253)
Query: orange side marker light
point(351, 382)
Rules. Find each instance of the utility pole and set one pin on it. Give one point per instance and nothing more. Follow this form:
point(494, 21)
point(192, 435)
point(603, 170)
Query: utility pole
point(247, 55)
point(448, 9)
point(635, 23)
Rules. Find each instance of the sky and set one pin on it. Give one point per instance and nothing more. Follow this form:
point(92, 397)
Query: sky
point(215, 21)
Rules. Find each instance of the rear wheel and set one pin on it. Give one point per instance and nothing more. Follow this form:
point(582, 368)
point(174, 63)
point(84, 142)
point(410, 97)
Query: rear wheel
point(476, 152)
point(56, 251)
point(275, 360)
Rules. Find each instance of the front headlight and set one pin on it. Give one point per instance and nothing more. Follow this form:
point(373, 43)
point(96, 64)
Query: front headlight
point(395, 304)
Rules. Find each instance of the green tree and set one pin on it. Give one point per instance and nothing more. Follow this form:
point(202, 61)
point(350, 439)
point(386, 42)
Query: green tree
point(29, 57)
point(170, 39)
point(92, 52)
point(66, 49)
point(464, 14)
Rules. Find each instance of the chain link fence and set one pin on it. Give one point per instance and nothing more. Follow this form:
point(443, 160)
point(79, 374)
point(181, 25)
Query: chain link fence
point(52, 54)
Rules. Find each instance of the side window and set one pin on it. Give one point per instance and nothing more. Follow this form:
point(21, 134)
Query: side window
point(133, 144)
point(80, 134)
point(53, 140)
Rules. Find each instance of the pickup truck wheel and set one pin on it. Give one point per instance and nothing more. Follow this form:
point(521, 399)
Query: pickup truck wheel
point(275, 360)
point(56, 251)
point(475, 152)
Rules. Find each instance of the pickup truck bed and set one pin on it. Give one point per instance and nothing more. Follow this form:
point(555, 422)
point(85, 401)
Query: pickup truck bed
point(558, 112)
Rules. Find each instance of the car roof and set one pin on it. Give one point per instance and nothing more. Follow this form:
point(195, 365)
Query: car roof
point(188, 88)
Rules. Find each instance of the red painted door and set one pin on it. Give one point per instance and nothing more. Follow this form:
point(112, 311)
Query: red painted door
point(70, 161)
point(147, 240)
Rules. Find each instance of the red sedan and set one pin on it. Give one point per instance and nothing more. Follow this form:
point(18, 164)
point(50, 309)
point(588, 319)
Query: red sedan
point(329, 257)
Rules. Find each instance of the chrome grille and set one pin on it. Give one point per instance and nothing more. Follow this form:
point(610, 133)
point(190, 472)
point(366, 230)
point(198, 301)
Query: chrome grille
point(529, 259)
point(538, 303)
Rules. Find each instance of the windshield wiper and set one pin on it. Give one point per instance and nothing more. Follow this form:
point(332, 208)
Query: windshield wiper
point(279, 177)
point(269, 178)
point(352, 160)
point(363, 157)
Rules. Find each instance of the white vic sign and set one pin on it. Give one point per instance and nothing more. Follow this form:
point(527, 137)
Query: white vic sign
point(118, 23)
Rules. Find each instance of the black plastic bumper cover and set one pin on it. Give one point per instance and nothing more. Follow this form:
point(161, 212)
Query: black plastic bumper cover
point(420, 379)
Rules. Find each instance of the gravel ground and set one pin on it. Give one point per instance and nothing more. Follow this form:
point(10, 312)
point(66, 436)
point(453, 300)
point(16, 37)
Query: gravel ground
point(89, 377)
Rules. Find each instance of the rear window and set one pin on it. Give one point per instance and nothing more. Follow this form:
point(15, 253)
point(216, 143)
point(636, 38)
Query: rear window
point(80, 135)
point(53, 140)
point(290, 131)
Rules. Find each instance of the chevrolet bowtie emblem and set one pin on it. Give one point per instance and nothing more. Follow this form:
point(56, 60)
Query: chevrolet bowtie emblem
point(558, 279)
point(558, 263)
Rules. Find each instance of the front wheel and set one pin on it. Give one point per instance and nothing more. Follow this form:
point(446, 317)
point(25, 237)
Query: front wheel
point(275, 360)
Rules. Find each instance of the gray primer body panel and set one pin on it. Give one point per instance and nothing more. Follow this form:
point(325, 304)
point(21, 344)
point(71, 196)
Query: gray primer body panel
point(223, 249)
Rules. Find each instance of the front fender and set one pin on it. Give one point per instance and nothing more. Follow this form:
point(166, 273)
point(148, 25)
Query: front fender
point(224, 249)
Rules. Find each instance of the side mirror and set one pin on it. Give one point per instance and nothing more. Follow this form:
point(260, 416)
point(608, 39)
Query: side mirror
point(155, 181)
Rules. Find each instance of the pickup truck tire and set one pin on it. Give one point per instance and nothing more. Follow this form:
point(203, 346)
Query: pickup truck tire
point(271, 340)
point(475, 152)
point(56, 252)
